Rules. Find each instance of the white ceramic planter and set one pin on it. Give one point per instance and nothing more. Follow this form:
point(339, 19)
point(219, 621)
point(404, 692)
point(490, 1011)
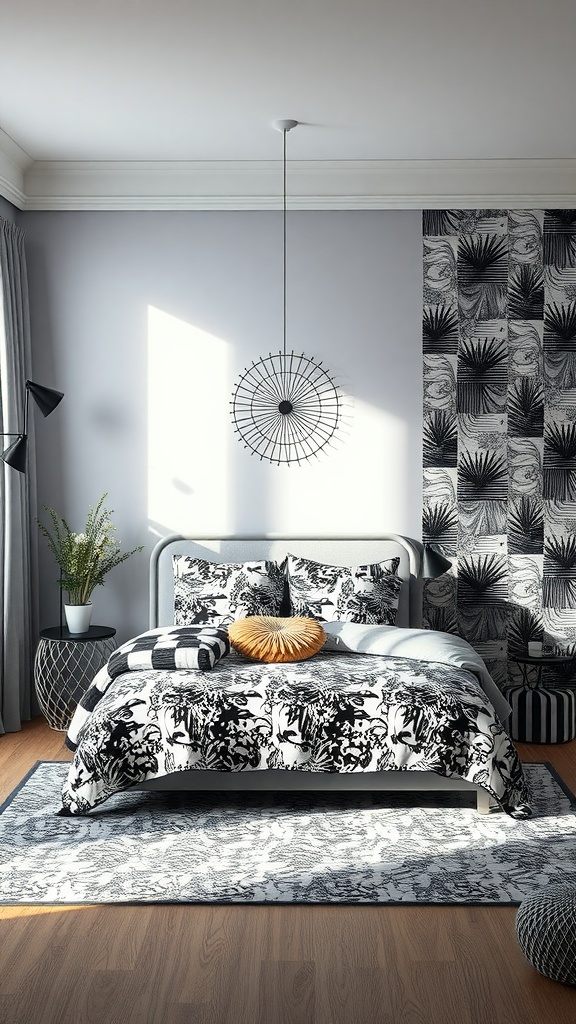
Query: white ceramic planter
point(78, 617)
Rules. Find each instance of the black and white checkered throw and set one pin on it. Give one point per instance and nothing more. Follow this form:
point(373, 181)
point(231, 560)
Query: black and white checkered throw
point(173, 647)
point(168, 647)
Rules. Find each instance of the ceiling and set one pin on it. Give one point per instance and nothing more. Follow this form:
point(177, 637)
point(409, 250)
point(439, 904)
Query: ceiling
point(177, 85)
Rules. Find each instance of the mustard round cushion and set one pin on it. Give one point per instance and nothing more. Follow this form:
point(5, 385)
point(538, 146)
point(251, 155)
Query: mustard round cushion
point(269, 638)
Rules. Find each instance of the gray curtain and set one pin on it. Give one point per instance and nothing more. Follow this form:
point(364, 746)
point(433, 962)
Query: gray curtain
point(18, 616)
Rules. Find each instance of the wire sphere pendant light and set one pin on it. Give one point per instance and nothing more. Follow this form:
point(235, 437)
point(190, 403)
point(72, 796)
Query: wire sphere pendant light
point(285, 407)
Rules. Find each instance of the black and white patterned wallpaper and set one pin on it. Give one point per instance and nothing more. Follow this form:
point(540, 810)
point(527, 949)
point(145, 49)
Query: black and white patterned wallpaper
point(499, 446)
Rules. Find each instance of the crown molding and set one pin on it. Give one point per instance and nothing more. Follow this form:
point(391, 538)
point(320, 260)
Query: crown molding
point(312, 185)
point(14, 163)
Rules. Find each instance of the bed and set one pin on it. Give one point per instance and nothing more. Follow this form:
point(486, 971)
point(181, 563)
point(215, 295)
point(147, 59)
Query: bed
point(384, 705)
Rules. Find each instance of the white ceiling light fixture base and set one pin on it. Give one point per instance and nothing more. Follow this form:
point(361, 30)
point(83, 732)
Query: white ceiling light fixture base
point(285, 125)
point(286, 408)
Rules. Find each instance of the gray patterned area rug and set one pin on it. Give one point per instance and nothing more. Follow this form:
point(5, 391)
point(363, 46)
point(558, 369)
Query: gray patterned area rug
point(282, 848)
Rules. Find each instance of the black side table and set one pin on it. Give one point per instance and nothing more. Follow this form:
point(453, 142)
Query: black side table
point(524, 661)
point(542, 711)
point(65, 665)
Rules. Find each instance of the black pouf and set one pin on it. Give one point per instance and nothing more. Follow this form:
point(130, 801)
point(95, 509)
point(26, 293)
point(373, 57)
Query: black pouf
point(542, 714)
point(546, 930)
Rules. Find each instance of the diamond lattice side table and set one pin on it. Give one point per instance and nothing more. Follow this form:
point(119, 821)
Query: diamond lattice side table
point(65, 665)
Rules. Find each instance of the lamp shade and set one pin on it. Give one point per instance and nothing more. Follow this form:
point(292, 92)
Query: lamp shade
point(433, 563)
point(15, 454)
point(46, 398)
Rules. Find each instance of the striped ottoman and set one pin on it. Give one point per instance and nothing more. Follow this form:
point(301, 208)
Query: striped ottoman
point(542, 714)
point(546, 931)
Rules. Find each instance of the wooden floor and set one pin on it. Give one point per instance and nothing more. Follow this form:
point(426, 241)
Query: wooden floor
point(266, 965)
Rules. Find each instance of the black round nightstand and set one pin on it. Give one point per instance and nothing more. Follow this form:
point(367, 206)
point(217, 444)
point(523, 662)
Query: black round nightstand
point(65, 665)
point(541, 661)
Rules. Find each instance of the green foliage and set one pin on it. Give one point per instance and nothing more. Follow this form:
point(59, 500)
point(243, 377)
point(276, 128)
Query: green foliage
point(84, 559)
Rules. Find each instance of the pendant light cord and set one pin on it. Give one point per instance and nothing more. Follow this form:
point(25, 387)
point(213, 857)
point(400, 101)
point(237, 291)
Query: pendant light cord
point(286, 410)
point(284, 133)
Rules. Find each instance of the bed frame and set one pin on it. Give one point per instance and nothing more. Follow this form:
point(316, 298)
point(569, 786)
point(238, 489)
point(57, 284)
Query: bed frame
point(332, 551)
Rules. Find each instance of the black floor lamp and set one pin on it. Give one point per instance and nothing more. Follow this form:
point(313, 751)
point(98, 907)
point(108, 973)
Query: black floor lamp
point(46, 399)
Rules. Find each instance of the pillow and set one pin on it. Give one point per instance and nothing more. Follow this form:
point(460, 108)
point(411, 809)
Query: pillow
point(217, 593)
point(331, 593)
point(269, 638)
point(171, 647)
point(360, 638)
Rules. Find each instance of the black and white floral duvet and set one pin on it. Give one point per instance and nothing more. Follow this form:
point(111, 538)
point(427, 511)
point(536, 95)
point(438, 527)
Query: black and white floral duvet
point(336, 712)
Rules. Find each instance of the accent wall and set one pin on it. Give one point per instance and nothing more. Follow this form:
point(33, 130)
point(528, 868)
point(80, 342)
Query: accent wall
point(499, 431)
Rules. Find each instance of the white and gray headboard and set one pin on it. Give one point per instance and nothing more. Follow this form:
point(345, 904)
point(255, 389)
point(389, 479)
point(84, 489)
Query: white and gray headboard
point(330, 550)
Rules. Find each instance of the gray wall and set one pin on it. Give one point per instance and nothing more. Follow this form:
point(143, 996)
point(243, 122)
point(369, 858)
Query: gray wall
point(146, 320)
point(8, 211)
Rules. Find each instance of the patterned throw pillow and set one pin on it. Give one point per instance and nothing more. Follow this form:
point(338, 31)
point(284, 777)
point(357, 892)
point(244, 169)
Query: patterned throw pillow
point(335, 593)
point(273, 639)
point(218, 593)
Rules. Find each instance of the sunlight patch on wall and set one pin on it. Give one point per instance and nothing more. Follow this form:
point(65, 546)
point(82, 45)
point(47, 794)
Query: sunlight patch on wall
point(359, 488)
point(188, 429)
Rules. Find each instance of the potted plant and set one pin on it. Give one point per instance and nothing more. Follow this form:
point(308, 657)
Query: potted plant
point(84, 559)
